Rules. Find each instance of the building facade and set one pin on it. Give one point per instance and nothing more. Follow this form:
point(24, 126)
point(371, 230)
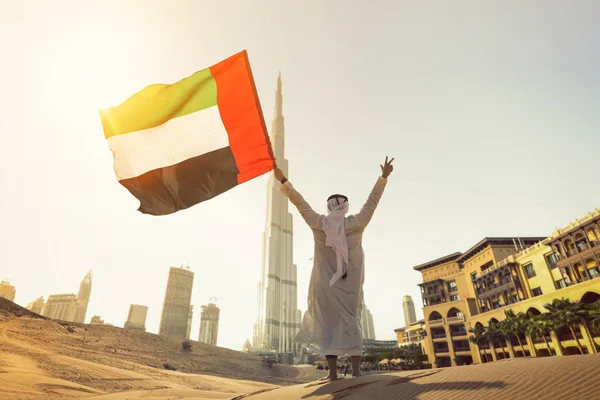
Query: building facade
point(461, 291)
point(61, 307)
point(414, 333)
point(176, 307)
point(136, 319)
point(276, 325)
point(37, 306)
point(367, 324)
point(209, 324)
point(408, 306)
point(188, 333)
point(7, 291)
point(83, 298)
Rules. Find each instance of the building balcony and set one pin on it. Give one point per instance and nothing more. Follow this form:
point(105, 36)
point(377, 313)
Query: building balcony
point(442, 353)
point(463, 353)
point(459, 335)
point(456, 319)
point(438, 336)
point(573, 257)
point(459, 349)
point(440, 339)
point(496, 289)
point(436, 322)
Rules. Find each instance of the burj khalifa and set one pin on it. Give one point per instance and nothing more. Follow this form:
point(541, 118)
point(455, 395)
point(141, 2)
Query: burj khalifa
point(278, 318)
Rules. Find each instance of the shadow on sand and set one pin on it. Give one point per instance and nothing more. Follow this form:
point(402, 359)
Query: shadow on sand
point(406, 389)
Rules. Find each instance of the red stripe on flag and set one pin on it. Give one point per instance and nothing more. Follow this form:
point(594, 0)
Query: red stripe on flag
point(242, 116)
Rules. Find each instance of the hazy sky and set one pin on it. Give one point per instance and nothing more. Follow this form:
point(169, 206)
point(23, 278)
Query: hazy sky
point(490, 108)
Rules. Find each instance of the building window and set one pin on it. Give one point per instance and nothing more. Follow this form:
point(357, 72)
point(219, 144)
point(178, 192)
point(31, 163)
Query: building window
point(514, 298)
point(454, 297)
point(474, 276)
point(552, 259)
point(452, 286)
point(529, 271)
point(536, 291)
point(561, 283)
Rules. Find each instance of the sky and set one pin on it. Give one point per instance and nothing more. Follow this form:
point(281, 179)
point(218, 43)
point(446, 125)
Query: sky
point(489, 108)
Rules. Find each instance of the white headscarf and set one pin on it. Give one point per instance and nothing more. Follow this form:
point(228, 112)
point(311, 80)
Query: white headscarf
point(335, 235)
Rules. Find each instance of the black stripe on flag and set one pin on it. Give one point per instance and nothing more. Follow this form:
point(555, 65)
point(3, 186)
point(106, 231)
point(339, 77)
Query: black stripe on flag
point(170, 189)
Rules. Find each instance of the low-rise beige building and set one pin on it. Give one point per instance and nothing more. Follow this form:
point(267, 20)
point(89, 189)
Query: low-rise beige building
point(460, 290)
point(415, 334)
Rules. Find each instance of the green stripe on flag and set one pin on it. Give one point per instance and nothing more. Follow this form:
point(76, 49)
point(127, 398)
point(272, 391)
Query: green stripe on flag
point(156, 104)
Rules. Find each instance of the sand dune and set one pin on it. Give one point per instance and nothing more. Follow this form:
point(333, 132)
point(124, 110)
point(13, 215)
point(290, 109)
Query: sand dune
point(42, 358)
point(45, 359)
point(564, 378)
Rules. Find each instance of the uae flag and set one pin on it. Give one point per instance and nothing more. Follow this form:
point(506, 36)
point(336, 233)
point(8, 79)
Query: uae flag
point(177, 145)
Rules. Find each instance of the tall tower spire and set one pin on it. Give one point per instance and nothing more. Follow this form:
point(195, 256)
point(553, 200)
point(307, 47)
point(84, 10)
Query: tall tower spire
point(276, 324)
point(83, 298)
point(278, 128)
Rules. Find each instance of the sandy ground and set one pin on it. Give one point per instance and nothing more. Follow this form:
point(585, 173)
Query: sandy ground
point(44, 359)
point(555, 378)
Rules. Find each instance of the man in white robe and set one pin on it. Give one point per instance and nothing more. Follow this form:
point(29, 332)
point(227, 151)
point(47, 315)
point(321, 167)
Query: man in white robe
point(331, 326)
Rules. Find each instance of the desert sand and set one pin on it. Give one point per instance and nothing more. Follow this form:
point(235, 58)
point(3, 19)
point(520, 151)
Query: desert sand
point(45, 359)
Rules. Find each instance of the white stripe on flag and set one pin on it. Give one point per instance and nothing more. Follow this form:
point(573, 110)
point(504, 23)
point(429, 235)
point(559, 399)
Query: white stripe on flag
point(174, 141)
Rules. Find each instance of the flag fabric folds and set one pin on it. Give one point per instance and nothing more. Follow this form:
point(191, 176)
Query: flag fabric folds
point(177, 145)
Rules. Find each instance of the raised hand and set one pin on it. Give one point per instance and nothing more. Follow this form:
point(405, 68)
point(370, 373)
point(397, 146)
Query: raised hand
point(279, 175)
point(387, 168)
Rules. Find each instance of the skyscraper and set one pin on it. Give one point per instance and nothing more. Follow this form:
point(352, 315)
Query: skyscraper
point(366, 321)
point(410, 317)
point(176, 308)
point(61, 307)
point(136, 319)
point(209, 324)
point(83, 298)
point(7, 291)
point(276, 324)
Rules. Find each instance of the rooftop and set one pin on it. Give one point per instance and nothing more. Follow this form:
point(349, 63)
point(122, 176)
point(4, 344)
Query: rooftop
point(438, 261)
point(592, 216)
point(487, 241)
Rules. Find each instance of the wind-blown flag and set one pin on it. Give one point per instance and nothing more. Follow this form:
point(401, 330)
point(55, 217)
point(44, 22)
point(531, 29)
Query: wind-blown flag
point(178, 145)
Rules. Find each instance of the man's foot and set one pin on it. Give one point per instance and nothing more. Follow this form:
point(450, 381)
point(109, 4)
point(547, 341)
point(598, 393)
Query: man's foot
point(330, 378)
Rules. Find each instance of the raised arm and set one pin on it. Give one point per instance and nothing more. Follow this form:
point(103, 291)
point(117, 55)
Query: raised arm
point(313, 219)
point(363, 218)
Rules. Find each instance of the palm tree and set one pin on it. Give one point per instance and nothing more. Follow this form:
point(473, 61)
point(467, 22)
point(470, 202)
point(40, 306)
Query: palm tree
point(591, 320)
point(478, 337)
point(495, 335)
point(505, 329)
point(565, 314)
point(519, 324)
point(537, 327)
point(593, 315)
